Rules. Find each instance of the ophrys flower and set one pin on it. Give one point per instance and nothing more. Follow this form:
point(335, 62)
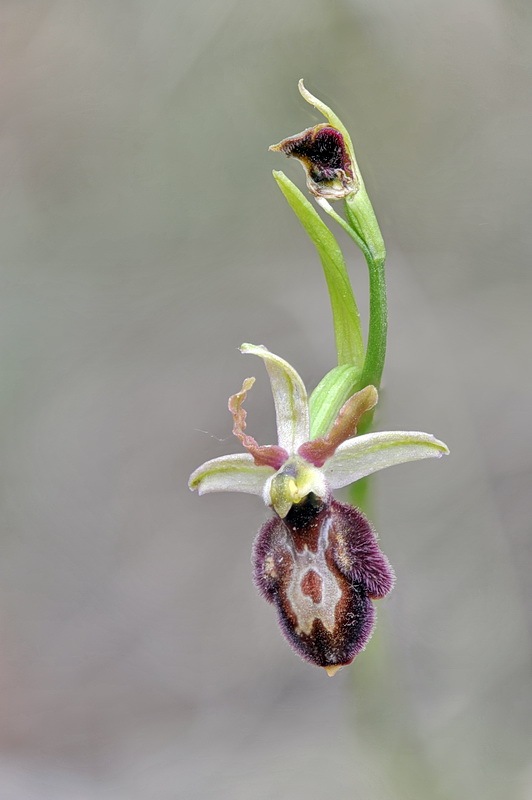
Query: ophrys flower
point(317, 560)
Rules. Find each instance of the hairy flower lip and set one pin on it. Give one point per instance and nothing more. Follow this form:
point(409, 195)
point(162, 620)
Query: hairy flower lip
point(321, 568)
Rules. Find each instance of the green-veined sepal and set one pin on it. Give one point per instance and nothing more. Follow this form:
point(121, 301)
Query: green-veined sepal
point(289, 396)
point(234, 473)
point(364, 455)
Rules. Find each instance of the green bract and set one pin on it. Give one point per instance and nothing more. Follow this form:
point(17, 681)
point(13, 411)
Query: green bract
point(329, 396)
point(347, 330)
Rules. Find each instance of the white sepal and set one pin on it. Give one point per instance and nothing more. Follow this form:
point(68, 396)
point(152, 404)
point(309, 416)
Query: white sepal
point(289, 396)
point(234, 473)
point(363, 455)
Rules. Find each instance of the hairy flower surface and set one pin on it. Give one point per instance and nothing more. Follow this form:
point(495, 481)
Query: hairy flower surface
point(317, 560)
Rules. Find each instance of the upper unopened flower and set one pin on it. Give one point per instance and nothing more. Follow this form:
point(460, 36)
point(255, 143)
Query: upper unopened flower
point(323, 153)
point(317, 559)
point(328, 157)
point(326, 152)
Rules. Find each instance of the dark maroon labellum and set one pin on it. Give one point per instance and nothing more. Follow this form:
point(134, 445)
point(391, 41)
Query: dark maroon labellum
point(321, 567)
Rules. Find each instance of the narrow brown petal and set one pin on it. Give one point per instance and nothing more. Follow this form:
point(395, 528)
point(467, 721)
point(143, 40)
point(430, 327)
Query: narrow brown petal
point(263, 455)
point(343, 427)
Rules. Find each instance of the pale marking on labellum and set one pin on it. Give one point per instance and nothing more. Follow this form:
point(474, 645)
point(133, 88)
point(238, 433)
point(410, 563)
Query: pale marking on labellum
point(304, 608)
point(342, 553)
point(269, 567)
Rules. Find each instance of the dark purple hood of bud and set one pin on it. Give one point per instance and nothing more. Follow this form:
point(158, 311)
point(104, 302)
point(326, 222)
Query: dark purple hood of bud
point(321, 567)
point(323, 153)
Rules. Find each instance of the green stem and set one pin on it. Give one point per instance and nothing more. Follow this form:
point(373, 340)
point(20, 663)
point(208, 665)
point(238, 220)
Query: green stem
point(375, 255)
point(378, 304)
point(378, 325)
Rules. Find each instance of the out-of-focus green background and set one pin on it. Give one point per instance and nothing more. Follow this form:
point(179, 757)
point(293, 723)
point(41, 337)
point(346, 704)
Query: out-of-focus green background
point(142, 240)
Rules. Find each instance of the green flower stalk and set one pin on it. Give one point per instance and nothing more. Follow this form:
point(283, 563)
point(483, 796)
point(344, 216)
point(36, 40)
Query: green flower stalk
point(317, 560)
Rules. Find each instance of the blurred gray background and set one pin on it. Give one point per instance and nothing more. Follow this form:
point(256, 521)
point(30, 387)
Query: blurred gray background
point(142, 240)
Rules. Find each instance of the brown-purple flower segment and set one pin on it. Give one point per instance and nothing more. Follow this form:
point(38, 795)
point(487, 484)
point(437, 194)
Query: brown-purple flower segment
point(323, 153)
point(321, 567)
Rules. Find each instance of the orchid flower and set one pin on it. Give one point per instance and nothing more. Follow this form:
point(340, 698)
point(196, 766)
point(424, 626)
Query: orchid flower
point(317, 560)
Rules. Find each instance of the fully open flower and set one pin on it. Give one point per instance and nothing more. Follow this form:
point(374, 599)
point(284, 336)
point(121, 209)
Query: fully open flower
point(317, 560)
